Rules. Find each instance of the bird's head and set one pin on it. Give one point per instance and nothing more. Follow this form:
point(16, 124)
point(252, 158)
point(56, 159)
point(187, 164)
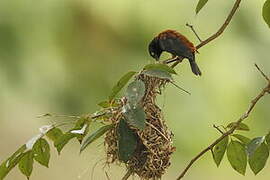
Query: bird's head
point(154, 49)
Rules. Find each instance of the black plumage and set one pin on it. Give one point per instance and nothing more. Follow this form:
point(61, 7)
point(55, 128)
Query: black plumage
point(176, 44)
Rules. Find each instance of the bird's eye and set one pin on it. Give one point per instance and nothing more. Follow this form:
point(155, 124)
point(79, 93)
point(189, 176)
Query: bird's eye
point(152, 53)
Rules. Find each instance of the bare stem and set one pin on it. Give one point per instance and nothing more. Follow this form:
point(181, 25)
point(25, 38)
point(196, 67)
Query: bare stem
point(229, 132)
point(217, 128)
point(263, 74)
point(223, 27)
point(127, 175)
point(193, 30)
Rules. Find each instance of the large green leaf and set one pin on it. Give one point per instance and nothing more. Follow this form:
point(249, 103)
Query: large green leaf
point(258, 158)
point(243, 139)
point(63, 140)
point(135, 92)
point(26, 163)
point(161, 67)
point(54, 134)
point(267, 139)
point(200, 5)
point(219, 150)
point(236, 154)
point(158, 73)
point(120, 84)
point(266, 12)
point(95, 135)
point(127, 141)
point(254, 144)
point(135, 116)
point(11, 162)
point(241, 126)
point(41, 150)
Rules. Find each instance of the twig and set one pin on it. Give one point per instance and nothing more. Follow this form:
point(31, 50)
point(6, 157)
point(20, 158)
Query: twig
point(107, 176)
point(227, 133)
point(214, 36)
point(193, 30)
point(217, 128)
point(127, 175)
point(58, 116)
point(157, 131)
point(182, 89)
point(180, 59)
point(263, 74)
point(223, 27)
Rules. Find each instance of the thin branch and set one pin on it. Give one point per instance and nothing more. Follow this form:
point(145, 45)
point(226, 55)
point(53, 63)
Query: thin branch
point(180, 59)
point(214, 36)
point(217, 128)
point(263, 74)
point(127, 175)
point(223, 27)
point(193, 30)
point(229, 132)
point(182, 89)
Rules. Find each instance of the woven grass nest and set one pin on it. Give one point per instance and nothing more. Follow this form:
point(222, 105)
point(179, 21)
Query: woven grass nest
point(154, 145)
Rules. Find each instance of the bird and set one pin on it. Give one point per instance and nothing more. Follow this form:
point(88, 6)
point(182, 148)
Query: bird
point(177, 44)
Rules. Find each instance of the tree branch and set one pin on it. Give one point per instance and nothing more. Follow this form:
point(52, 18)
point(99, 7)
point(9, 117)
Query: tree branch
point(223, 27)
point(235, 126)
point(214, 36)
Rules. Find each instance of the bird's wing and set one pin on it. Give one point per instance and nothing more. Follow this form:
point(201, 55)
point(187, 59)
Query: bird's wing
point(176, 47)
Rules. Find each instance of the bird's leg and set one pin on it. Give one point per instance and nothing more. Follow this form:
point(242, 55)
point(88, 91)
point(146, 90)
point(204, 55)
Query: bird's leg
point(175, 60)
point(180, 59)
point(172, 59)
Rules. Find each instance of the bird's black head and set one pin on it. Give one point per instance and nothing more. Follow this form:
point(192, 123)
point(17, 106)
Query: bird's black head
point(154, 49)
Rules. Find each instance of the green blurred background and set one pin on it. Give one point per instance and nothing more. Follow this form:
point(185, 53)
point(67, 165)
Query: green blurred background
point(64, 56)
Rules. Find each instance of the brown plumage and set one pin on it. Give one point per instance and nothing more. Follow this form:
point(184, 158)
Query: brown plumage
point(175, 43)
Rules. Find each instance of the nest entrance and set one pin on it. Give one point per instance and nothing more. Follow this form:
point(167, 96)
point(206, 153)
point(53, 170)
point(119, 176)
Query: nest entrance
point(154, 144)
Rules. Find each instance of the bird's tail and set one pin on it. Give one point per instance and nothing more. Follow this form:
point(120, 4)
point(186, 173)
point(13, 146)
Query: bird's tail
point(195, 69)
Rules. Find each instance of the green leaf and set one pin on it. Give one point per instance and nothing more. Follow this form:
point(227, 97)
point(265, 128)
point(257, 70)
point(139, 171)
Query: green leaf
point(237, 157)
point(11, 162)
point(219, 150)
point(200, 5)
point(26, 164)
point(243, 139)
point(254, 144)
point(266, 12)
point(95, 135)
point(120, 84)
point(135, 116)
point(135, 92)
point(63, 140)
point(258, 159)
point(161, 67)
point(41, 150)
point(54, 134)
point(241, 127)
point(127, 141)
point(158, 73)
point(267, 139)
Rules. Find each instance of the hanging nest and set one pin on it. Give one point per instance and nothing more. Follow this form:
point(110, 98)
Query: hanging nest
point(154, 143)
